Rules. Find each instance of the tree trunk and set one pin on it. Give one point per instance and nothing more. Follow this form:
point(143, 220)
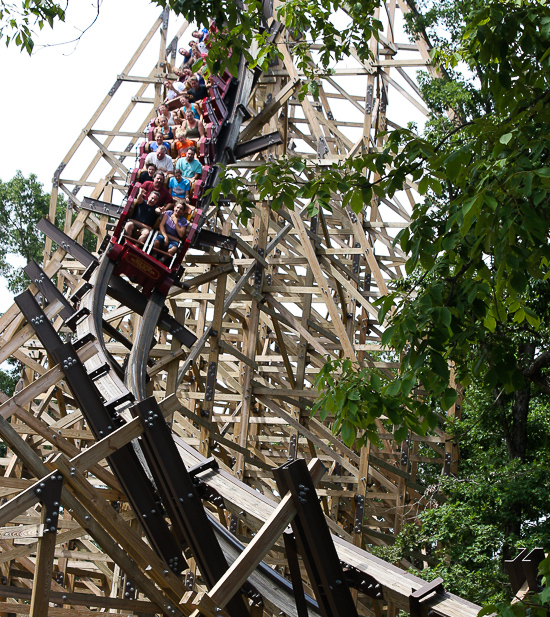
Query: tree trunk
point(516, 440)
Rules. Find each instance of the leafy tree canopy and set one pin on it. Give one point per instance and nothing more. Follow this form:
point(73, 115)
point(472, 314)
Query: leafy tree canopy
point(23, 203)
point(477, 240)
point(476, 296)
point(18, 20)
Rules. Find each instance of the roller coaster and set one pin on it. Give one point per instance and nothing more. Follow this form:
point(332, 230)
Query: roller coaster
point(161, 459)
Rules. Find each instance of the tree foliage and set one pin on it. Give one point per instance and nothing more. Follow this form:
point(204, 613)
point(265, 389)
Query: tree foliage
point(479, 237)
point(494, 506)
point(243, 28)
point(477, 292)
point(22, 204)
point(18, 20)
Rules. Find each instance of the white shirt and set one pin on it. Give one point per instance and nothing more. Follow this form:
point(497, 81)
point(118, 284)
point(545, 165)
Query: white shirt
point(166, 164)
point(177, 85)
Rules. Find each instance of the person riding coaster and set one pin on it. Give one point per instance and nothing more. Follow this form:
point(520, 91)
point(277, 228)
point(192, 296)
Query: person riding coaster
point(173, 228)
point(144, 217)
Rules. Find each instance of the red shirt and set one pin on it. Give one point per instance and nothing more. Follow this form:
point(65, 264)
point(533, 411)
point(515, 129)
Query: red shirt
point(165, 196)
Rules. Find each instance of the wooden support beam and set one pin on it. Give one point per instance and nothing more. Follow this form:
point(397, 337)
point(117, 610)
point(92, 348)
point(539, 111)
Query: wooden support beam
point(262, 542)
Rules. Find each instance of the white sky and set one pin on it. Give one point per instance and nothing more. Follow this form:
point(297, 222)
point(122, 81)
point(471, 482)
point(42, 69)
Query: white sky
point(48, 98)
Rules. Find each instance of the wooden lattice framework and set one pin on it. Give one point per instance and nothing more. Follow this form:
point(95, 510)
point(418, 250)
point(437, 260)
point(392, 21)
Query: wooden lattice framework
point(295, 291)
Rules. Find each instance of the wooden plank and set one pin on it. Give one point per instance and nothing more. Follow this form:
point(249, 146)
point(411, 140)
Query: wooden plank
point(30, 549)
point(270, 109)
point(97, 530)
point(8, 347)
point(237, 354)
point(322, 282)
point(276, 409)
point(43, 572)
point(87, 600)
point(118, 438)
point(21, 531)
point(262, 542)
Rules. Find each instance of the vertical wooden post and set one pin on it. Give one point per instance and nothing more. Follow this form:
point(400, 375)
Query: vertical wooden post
point(50, 495)
point(261, 225)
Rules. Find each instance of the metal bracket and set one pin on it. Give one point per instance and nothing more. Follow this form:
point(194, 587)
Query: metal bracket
point(209, 464)
point(48, 492)
point(313, 224)
point(206, 239)
point(417, 597)
point(365, 583)
point(99, 371)
point(83, 340)
point(164, 16)
point(57, 174)
point(65, 242)
point(102, 207)
point(359, 513)
point(207, 493)
point(129, 589)
point(87, 274)
point(322, 148)
point(77, 317)
point(355, 264)
point(248, 148)
point(112, 405)
point(368, 102)
point(447, 464)
point(292, 447)
point(210, 381)
point(47, 288)
point(115, 87)
point(252, 593)
point(405, 451)
point(172, 49)
point(81, 292)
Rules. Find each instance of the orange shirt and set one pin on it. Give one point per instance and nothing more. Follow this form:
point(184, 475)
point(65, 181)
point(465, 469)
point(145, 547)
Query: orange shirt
point(184, 144)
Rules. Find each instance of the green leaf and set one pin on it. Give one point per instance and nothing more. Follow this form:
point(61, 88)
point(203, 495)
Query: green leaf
point(448, 399)
point(505, 138)
point(439, 365)
point(387, 335)
point(356, 201)
point(401, 433)
point(446, 316)
point(393, 388)
point(375, 381)
point(298, 165)
point(226, 186)
point(423, 185)
point(505, 79)
point(348, 432)
point(488, 609)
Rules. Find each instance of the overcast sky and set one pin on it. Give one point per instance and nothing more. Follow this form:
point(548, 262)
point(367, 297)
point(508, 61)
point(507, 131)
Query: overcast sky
point(48, 98)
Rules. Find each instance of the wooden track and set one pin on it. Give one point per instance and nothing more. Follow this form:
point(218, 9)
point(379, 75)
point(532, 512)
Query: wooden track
point(300, 289)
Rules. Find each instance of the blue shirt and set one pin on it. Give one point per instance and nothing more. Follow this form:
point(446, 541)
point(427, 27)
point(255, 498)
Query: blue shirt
point(193, 109)
point(153, 146)
point(178, 189)
point(188, 170)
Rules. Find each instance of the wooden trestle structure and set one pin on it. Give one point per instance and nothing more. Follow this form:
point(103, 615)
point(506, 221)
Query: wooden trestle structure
point(231, 369)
